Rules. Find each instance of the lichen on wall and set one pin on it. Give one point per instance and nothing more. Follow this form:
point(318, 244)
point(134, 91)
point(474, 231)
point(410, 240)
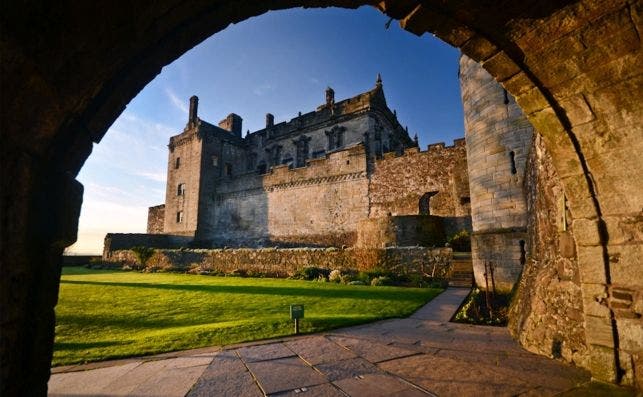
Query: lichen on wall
point(546, 314)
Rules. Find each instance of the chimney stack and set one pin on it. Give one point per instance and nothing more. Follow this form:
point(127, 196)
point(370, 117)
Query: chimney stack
point(232, 123)
point(270, 120)
point(194, 105)
point(330, 97)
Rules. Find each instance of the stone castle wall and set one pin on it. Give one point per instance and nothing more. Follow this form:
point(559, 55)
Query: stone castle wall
point(155, 219)
point(284, 262)
point(547, 311)
point(402, 185)
point(498, 138)
point(319, 204)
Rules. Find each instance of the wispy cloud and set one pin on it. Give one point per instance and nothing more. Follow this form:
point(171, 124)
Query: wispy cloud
point(314, 80)
point(154, 176)
point(176, 101)
point(262, 89)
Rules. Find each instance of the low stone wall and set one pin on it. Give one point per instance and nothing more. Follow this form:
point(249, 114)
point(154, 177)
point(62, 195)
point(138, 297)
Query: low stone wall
point(125, 241)
point(78, 260)
point(283, 262)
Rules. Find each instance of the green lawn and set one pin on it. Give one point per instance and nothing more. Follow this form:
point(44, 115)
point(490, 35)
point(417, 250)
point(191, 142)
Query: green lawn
point(105, 314)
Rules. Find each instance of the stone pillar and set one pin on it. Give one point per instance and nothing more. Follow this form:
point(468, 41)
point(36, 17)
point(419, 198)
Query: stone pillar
point(498, 137)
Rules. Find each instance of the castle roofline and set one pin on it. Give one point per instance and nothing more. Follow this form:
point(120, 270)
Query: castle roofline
point(368, 100)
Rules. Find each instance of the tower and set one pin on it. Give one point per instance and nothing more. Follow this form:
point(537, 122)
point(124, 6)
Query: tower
point(184, 176)
point(498, 137)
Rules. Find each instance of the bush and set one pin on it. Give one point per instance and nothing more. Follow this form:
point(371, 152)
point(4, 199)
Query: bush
point(335, 276)
point(237, 273)
point(382, 280)
point(460, 242)
point(311, 273)
point(143, 254)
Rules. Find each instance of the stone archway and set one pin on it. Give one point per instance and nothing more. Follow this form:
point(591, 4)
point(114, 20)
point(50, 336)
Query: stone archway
point(574, 67)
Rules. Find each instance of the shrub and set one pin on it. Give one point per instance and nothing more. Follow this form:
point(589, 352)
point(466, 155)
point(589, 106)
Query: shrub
point(237, 273)
point(143, 254)
point(346, 278)
point(364, 277)
point(311, 273)
point(382, 280)
point(461, 241)
point(335, 276)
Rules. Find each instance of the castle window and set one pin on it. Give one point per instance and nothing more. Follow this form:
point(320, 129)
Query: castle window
point(252, 160)
point(177, 163)
point(215, 161)
point(302, 151)
point(180, 190)
point(276, 155)
point(512, 157)
point(179, 217)
point(335, 137)
point(228, 169)
point(465, 200)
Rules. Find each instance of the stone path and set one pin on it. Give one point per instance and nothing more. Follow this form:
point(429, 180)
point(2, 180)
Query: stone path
point(423, 355)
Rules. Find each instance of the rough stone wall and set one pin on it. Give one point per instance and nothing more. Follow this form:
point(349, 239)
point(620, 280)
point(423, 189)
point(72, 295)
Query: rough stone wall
point(399, 182)
point(155, 219)
point(498, 137)
point(401, 231)
point(320, 204)
point(284, 262)
point(546, 315)
point(124, 241)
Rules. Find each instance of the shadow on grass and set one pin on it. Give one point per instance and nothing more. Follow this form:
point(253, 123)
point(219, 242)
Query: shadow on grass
point(88, 345)
point(83, 271)
point(361, 293)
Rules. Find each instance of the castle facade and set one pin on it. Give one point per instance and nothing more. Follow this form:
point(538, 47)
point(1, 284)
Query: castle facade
point(308, 181)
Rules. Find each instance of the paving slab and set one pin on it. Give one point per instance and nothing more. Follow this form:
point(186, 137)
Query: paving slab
point(377, 385)
point(371, 350)
point(324, 390)
point(87, 382)
point(226, 376)
point(442, 307)
point(349, 368)
point(449, 377)
point(319, 349)
point(285, 374)
point(270, 351)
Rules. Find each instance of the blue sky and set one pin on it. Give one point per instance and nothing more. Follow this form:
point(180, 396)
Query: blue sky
point(280, 63)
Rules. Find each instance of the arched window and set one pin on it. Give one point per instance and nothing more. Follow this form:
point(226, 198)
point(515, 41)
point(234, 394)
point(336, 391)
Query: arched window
point(180, 189)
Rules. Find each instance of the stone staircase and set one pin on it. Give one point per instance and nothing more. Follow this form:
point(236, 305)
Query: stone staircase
point(462, 271)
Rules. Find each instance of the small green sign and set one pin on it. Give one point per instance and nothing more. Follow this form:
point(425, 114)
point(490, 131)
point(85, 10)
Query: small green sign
point(296, 311)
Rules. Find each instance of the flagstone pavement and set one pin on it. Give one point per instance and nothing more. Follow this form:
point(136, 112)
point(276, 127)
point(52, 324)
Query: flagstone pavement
point(423, 355)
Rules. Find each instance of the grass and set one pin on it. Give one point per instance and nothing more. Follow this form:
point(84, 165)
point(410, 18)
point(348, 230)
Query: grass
point(104, 314)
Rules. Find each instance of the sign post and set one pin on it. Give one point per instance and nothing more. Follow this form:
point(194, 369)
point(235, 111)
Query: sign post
point(296, 312)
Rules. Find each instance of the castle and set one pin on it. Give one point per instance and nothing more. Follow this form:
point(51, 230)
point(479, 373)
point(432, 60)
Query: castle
point(349, 175)
point(315, 180)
